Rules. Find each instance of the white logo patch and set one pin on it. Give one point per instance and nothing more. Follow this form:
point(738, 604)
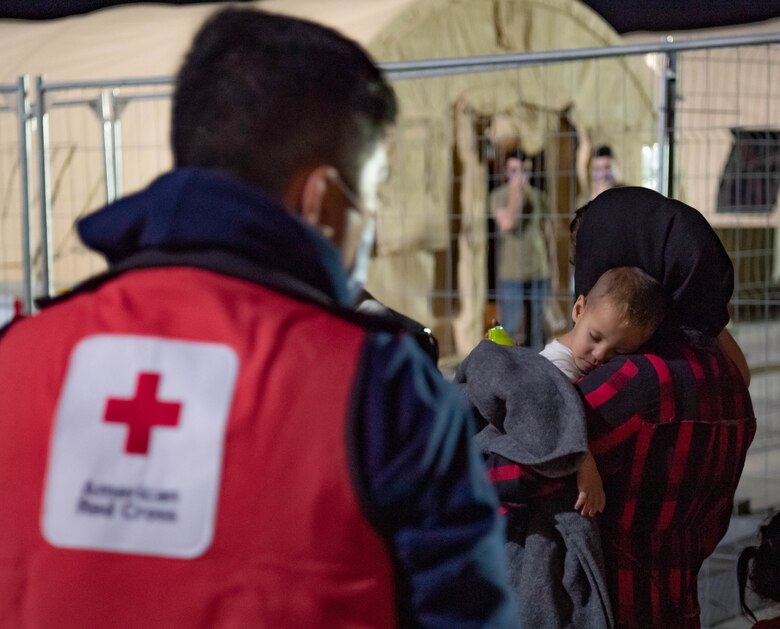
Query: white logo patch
point(135, 458)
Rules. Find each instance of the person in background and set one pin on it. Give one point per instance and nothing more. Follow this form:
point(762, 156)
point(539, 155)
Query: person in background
point(602, 169)
point(758, 567)
point(524, 259)
point(209, 434)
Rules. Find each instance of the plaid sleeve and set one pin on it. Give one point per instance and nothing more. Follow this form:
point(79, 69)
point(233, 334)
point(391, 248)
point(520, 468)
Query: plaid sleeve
point(620, 397)
point(610, 390)
point(517, 484)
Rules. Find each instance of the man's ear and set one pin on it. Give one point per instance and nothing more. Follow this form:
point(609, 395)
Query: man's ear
point(578, 308)
point(307, 195)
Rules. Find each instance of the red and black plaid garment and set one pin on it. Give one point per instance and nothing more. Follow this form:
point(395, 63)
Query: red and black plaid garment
point(669, 437)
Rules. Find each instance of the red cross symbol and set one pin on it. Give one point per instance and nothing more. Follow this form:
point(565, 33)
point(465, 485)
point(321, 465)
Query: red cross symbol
point(142, 413)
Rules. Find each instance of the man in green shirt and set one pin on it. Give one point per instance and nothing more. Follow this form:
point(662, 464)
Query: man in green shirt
point(524, 270)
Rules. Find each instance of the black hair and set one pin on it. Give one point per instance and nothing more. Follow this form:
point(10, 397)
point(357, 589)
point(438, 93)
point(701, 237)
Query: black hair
point(759, 566)
point(516, 153)
point(602, 151)
point(260, 96)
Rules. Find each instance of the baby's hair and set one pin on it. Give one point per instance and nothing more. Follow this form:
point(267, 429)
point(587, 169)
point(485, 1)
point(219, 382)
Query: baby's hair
point(638, 297)
point(760, 565)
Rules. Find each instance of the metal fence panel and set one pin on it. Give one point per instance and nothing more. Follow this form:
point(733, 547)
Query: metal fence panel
point(96, 143)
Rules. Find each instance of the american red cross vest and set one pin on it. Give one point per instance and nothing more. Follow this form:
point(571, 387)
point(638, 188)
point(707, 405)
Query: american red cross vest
point(173, 453)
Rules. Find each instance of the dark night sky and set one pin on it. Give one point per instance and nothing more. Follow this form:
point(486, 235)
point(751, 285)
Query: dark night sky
point(624, 15)
point(671, 15)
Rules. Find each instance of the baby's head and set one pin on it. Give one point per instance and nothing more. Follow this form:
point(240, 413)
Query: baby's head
point(619, 315)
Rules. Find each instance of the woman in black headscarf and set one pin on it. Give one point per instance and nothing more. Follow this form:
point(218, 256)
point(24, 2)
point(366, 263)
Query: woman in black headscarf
point(669, 427)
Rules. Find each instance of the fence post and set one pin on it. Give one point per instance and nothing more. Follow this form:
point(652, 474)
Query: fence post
point(44, 187)
point(666, 122)
point(105, 104)
point(109, 107)
point(23, 115)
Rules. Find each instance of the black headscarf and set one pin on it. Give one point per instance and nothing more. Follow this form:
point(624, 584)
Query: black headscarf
point(667, 239)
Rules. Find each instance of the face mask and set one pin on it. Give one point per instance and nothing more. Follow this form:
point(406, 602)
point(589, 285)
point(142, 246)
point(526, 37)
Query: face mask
point(358, 274)
point(374, 171)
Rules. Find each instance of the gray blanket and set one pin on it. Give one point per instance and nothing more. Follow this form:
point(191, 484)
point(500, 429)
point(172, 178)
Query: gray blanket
point(533, 415)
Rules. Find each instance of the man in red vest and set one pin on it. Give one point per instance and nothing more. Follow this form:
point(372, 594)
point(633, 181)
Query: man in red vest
point(208, 434)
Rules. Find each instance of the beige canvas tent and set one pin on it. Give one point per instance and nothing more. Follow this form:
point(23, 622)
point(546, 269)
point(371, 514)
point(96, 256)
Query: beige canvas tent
point(433, 233)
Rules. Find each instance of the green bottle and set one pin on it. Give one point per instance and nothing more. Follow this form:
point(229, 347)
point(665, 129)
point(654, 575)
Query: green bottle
point(498, 335)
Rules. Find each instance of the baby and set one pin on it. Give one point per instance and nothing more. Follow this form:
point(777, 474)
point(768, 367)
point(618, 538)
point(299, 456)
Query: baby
point(619, 315)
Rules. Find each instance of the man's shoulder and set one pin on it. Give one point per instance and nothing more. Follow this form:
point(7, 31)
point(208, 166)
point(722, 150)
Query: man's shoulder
point(535, 196)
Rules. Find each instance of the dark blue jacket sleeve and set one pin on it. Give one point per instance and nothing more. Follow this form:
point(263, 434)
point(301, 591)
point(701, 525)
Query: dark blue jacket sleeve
point(424, 487)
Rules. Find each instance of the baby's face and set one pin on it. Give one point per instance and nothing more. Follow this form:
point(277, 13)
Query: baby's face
point(599, 333)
